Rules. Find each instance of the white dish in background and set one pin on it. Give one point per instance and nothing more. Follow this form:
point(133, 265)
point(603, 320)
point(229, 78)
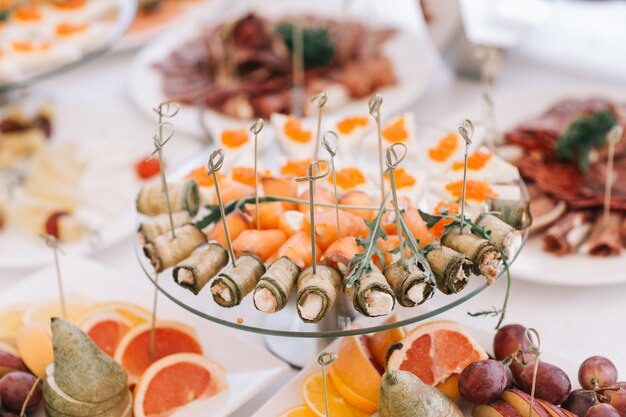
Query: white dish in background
point(533, 264)
point(249, 368)
point(411, 51)
point(291, 394)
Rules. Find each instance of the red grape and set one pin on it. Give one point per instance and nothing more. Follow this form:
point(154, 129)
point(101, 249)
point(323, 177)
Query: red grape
point(602, 410)
point(52, 223)
point(552, 384)
point(147, 168)
point(508, 339)
point(617, 398)
point(578, 402)
point(4, 413)
point(597, 372)
point(483, 381)
point(14, 388)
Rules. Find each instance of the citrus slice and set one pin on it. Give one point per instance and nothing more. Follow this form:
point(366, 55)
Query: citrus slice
point(105, 328)
point(297, 411)
point(313, 394)
point(133, 351)
point(35, 348)
point(176, 380)
point(132, 312)
point(11, 321)
point(355, 367)
point(41, 314)
point(380, 342)
point(436, 350)
point(450, 387)
point(9, 346)
point(352, 397)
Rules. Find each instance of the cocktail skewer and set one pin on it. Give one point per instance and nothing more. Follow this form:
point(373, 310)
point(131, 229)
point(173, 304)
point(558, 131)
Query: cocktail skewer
point(256, 129)
point(394, 156)
point(331, 148)
point(53, 243)
point(297, 64)
point(216, 160)
point(325, 359)
point(466, 130)
point(374, 107)
point(612, 138)
point(320, 99)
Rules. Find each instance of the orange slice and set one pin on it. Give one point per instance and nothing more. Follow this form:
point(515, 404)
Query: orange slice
point(380, 342)
point(133, 351)
point(41, 314)
point(11, 321)
point(131, 312)
point(436, 350)
point(450, 387)
point(313, 394)
point(176, 380)
point(35, 348)
point(106, 329)
point(352, 397)
point(298, 411)
point(356, 369)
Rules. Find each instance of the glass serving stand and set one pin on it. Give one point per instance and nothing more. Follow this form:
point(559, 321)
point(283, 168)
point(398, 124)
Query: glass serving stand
point(286, 335)
point(122, 19)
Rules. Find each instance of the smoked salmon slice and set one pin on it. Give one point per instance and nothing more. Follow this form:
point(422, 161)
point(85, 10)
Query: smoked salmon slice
point(262, 243)
point(357, 198)
point(237, 223)
point(340, 253)
point(326, 226)
point(269, 214)
point(281, 187)
point(322, 195)
point(298, 249)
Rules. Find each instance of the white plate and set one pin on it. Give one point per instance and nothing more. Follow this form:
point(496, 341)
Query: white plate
point(534, 264)
point(291, 394)
point(249, 368)
point(81, 122)
point(411, 52)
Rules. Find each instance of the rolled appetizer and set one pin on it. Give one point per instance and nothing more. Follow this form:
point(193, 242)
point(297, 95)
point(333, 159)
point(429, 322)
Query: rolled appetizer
point(605, 238)
point(513, 212)
point(451, 269)
point(275, 287)
point(483, 254)
point(317, 292)
point(568, 233)
point(410, 287)
point(205, 262)
point(161, 224)
point(184, 196)
point(235, 282)
point(164, 252)
point(372, 295)
point(503, 235)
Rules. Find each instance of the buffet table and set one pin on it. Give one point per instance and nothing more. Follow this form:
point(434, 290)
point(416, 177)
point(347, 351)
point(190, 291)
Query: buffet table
point(575, 322)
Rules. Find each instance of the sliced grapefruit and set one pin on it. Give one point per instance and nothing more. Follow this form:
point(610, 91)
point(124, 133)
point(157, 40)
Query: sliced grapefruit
point(11, 321)
point(435, 351)
point(313, 395)
point(176, 380)
point(41, 314)
point(356, 370)
point(380, 342)
point(297, 411)
point(105, 328)
point(133, 351)
point(35, 348)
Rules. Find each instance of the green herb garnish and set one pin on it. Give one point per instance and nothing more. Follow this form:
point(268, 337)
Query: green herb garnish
point(584, 134)
point(493, 311)
point(317, 48)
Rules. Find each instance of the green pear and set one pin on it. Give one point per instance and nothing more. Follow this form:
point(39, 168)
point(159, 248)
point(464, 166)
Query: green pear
point(122, 409)
point(403, 394)
point(81, 369)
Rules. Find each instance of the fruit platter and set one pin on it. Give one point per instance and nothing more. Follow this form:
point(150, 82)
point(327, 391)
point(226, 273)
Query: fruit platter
point(255, 255)
point(439, 368)
point(97, 360)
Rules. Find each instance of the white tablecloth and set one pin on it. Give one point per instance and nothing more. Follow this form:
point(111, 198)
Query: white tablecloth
point(574, 322)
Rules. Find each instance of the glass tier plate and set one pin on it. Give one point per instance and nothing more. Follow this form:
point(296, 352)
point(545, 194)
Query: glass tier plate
point(120, 22)
point(286, 322)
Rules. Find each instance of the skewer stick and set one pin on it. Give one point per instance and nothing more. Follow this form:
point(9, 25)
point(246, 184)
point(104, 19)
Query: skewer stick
point(325, 359)
point(466, 130)
point(53, 243)
point(488, 61)
point(315, 173)
point(216, 160)
point(320, 99)
point(331, 148)
point(297, 63)
point(155, 299)
point(614, 136)
point(256, 129)
point(374, 106)
point(393, 161)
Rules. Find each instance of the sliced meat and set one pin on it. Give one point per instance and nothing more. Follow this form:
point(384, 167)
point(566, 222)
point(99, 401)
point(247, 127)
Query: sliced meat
point(605, 238)
point(568, 233)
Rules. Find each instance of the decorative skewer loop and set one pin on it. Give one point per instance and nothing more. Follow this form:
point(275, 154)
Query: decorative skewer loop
point(319, 99)
point(325, 359)
point(393, 160)
point(466, 130)
point(216, 161)
point(256, 128)
point(167, 109)
point(374, 104)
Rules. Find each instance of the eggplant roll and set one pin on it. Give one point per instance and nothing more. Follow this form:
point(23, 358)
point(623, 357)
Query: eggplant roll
point(274, 289)
point(235, 282)
point(164, 252)
point(568, 233)
point(503, 235)
point(317, 292)
point(410, 287)
point(372, 295)
point(161, 224)
point(205, 262)
point(451, 269)
point(483, 254)
point(605, 238)
point(513, 212)
point(184, 196)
